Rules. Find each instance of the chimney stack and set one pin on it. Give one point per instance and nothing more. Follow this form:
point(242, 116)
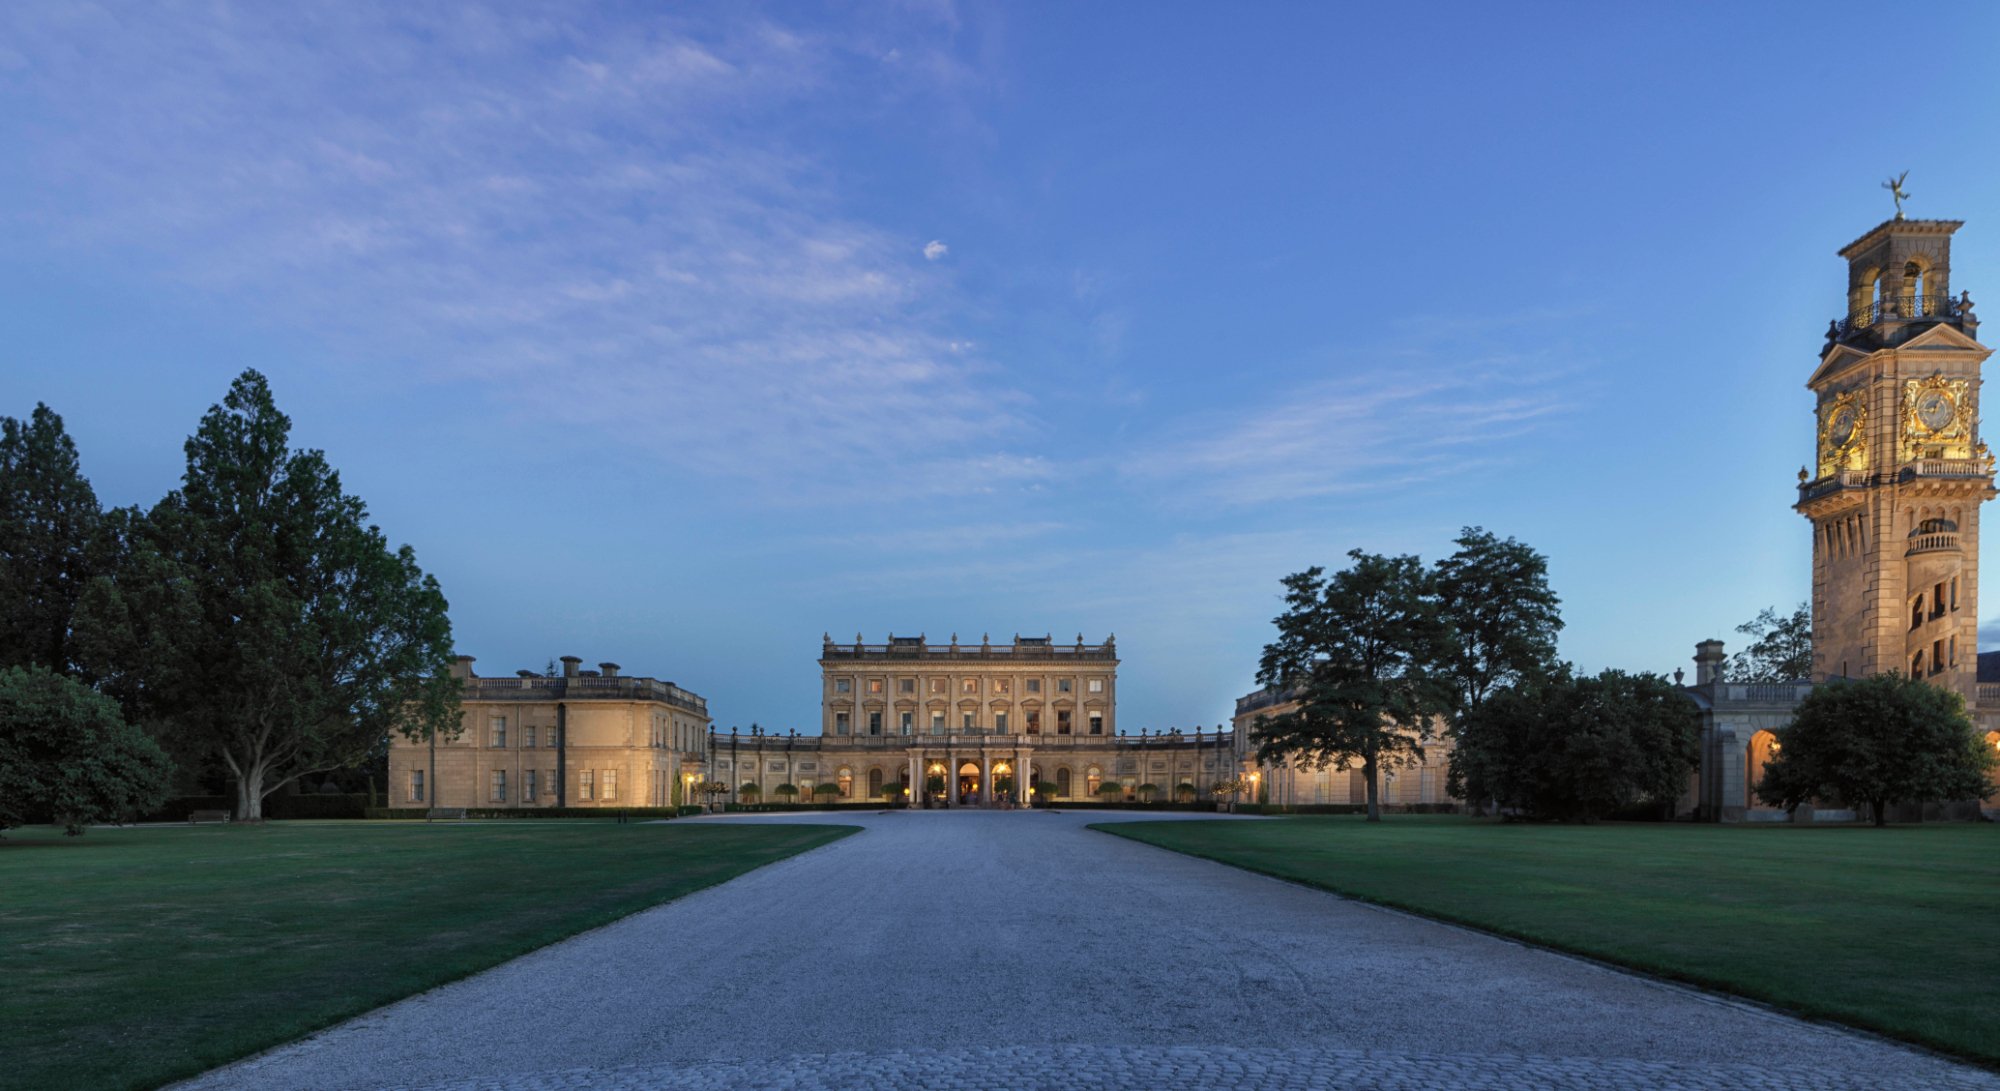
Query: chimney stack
point(610, 669)
point(1708, 660)
point(461, 667)
point(570, 664)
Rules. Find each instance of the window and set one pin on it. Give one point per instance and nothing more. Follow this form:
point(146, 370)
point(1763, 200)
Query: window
point(1034, 723)
point(843, 685)
point(1917, 612)
point(846, 780)
point(906, 685)
point(610, 784)
point(907, 717)
point(1954, 651)
point(969, 685)
point(527, 786)
point(1954, 594)
point(1063, 685)
point(1937, 601)
point(937, 685)
point(875, 723)
point(840, 723)
point(874, 784)
point(1097, 723)
point(1034, 685)
point(1093, 780)
point(1000, 685)
point(1062, 782)
point(552, 737)
point(499, 730)
point(499, 785)
point(1062, 721)
point(1097, 685)
point(937, 723)
point(1917, 665)
point(968, 721)
point(416, 785)
point(584, 784)
point(1000, 722)
point(528, 738)
point(874, 685)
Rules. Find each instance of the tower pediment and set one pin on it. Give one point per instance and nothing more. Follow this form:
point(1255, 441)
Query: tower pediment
point(1946, 338)
point(1836, 361)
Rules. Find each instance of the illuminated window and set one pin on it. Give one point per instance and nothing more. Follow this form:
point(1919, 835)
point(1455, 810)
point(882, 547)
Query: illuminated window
point(610, 784)
point(937, 685)
point(874, 685)
point(1097, 685)
point(969, 685)
point(584, 784)
point(1034, 722)
point(1000, 685)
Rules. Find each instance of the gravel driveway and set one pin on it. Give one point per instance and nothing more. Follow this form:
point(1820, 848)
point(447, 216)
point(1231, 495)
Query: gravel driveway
point(1020, 950)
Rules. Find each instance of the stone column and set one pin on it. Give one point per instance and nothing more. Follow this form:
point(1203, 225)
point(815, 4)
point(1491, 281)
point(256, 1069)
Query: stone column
point(1024, 781)
point(916, 770)
point(985, 780)
point(950, 774)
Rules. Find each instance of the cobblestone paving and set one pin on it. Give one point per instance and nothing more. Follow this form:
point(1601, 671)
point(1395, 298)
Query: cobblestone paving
point(1021, 950)
point(1086, 1068)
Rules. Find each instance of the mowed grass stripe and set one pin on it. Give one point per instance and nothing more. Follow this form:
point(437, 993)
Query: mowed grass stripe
point(1895, 930)
point(135, 957)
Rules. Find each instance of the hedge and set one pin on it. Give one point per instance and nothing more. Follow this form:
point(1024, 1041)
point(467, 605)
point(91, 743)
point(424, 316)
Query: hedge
point(307, 805)
point(404, 813)
point(1346, 808)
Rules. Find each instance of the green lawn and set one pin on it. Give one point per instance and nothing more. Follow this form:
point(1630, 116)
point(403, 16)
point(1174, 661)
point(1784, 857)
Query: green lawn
point(132, 957)
point(1897, 930)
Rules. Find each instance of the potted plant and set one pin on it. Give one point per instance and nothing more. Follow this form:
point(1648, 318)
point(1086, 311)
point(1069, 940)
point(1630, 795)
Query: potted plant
point(786, 792)
point(1045, 794)
point(712, 791)
point(1147, 792)
point(749, 793)
point(933, 787)
point(892, 792)
point(1111, 792)
point(1226, 790)
point(1184, 792)
point(825, 794)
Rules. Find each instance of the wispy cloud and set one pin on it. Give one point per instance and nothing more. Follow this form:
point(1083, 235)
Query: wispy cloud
point(628, 231)
point(934, 249)
point(1375, 430)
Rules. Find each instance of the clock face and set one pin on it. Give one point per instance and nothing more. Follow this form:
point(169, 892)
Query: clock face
point(1840, 427)
point(1935, 410)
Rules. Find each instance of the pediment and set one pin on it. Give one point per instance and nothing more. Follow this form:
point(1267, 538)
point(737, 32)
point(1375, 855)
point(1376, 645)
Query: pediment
point(1840, 359)
point(1946, 337)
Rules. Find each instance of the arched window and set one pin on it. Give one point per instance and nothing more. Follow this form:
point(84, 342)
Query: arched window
point(1093, 779)
point(1763, 747)
point(874, 783)
point(846, 780)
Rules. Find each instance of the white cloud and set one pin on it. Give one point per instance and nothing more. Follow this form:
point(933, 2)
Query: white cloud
point(934, 250)
point(520, 203)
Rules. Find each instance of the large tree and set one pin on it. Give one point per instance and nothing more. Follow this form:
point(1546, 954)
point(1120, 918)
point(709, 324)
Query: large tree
point(1502, 619)
point(1879, 740)
point(1355, 650)
point(50, 540)
point(257, 616)
point(1781, 649)
point(1577, 749)
point(67, 755)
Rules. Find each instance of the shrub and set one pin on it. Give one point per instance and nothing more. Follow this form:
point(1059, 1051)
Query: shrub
point(67, 754)
point(1111, 791)
point(1147, 792)
point(786, 791)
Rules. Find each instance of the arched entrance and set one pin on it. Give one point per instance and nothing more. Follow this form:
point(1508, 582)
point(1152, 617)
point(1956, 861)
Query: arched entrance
point(968, 783)
point(1763, 747)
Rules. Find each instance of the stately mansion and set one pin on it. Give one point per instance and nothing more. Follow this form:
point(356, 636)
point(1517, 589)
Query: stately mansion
point(936, 724)
point(1892, 496)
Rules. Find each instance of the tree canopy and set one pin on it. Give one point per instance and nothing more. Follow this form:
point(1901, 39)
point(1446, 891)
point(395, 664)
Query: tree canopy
point(67, 754)
point(1502, 618)
point(1577, 749)
point(257, 616)
point(1884, 739)
point(1781, 649)
point(51, 540)
point(1356, 651)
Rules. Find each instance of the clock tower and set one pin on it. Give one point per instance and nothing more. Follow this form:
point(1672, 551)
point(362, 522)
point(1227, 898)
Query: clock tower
point(1898, 471)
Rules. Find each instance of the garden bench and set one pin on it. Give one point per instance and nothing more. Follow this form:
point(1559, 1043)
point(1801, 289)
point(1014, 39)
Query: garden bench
point(198, 817)
point(447, 812)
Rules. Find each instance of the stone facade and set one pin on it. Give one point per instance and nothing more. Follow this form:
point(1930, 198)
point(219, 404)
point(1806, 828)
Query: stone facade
point(1296, 786)
point(955, 724)
point(581, 739)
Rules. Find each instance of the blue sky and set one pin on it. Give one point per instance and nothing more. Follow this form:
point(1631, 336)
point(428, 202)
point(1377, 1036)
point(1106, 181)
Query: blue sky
point(679, 336)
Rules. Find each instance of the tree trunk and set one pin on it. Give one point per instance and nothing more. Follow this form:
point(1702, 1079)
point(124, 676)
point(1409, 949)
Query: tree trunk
point(1881, 811)
point(1369, 772)
point(250, 795)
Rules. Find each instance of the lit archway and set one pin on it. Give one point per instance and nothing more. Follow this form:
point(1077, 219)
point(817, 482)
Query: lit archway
point(968, 781)
point(1993, 774)
point(1764, 746)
